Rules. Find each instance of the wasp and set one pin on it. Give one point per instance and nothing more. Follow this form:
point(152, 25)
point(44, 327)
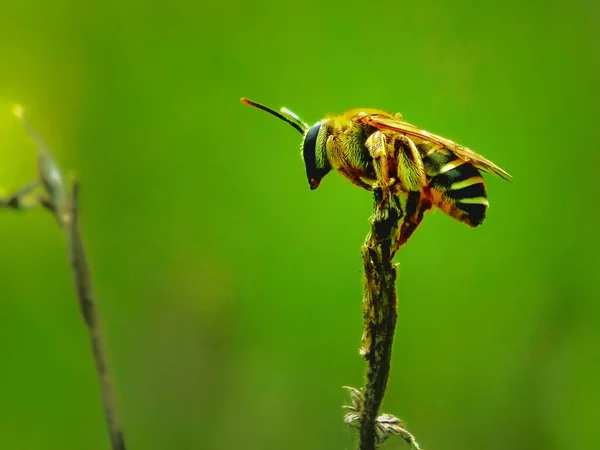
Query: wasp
point(371, 147)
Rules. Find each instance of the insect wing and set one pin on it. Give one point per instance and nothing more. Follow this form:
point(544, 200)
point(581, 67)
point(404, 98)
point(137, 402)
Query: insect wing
point(383, 122)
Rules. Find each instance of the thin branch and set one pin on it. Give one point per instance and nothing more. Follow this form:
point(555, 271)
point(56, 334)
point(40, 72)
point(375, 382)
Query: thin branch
point(19, 199)
point(64, 205)
point(379, 309)
point(89, 312)
point(379, 322)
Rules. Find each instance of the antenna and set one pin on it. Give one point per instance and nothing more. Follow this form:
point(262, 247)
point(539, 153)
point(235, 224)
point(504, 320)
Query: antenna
point(286, 115)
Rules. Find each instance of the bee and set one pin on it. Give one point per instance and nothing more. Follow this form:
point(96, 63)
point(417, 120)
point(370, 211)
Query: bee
point(371, 147)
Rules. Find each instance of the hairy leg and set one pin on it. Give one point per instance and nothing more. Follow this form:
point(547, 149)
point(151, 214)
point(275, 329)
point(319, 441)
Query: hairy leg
point(416, 205)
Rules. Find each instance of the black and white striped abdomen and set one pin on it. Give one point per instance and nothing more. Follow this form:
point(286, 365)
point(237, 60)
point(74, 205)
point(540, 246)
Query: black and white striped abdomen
point(457, 188)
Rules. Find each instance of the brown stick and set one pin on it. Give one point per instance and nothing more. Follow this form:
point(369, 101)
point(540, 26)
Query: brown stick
point(379, 309)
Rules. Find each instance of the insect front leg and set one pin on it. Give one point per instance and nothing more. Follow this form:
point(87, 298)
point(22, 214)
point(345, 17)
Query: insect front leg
point(378, 149)
point(416, 205)
point(356, 180)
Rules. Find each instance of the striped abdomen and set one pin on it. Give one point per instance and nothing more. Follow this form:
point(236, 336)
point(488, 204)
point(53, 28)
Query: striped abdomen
point(456, 187)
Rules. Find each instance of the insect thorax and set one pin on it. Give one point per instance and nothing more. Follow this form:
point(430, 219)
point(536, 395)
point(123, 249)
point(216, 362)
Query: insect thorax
point(352, 153)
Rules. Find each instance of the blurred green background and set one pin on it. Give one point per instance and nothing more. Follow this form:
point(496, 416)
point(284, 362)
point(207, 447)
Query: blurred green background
point(231, 292)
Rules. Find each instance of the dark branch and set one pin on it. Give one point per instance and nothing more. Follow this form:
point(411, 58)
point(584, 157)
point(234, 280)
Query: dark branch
point(379, 323)
point(379, 309)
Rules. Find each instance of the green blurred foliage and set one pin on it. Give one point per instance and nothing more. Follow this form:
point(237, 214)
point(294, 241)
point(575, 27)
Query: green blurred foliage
point(231, 293)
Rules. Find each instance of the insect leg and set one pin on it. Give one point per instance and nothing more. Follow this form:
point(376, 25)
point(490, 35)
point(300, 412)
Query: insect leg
point(411, 169)
point(377, 145)
point(416, 205)
point(355, 180)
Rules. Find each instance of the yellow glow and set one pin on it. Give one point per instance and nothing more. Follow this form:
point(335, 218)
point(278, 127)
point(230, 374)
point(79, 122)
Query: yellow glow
point(18, 111)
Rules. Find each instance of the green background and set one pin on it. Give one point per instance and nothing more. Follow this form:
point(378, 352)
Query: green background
point(231, 292)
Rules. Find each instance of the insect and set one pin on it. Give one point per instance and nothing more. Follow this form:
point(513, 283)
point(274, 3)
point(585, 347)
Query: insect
point(374, 147)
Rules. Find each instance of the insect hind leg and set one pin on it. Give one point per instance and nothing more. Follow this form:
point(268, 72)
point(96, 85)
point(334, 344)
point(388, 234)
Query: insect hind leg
point(416, 205)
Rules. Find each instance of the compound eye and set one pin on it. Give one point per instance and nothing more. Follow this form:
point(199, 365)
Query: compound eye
point(309, 151)
point(310, 143)
point(314, 183)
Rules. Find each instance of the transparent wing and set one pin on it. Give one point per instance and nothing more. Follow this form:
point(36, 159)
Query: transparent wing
point(390, 123)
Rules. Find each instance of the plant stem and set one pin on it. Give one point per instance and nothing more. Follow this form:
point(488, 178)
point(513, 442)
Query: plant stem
point(379, 309)
point(64, 205)
point(89, 312)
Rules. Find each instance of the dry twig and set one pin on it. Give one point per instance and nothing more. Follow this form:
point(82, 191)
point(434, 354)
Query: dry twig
point(379, 322)
point(64, 204)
